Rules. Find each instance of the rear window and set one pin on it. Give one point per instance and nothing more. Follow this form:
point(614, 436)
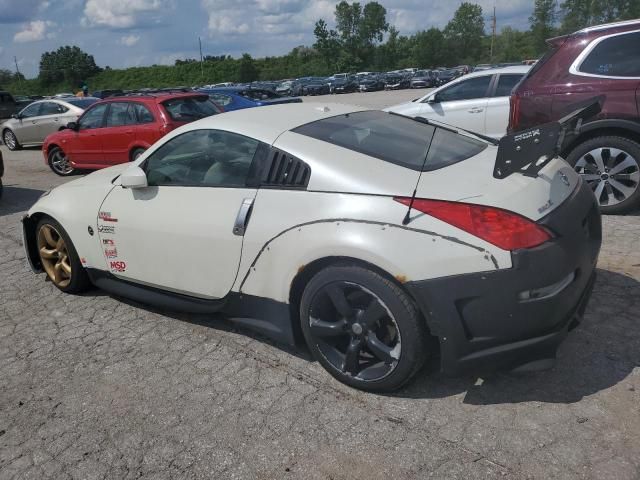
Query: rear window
point(257, 94)
point(395, 139)
point(188, 109)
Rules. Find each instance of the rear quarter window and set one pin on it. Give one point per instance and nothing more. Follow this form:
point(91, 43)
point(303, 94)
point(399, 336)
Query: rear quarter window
point(395, 139)
point(616, 56)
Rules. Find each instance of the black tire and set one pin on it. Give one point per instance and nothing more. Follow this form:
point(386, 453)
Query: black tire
point(1, 188)
point(135, 153)
point(57, 165)
point(611, 200)
point(79, 281)
point(405, 350)
point(10, 140)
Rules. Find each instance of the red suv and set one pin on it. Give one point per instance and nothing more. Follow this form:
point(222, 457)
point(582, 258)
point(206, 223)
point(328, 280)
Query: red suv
point(602, 60)
point(120, 129)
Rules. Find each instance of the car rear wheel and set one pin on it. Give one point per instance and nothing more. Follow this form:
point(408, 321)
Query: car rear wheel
point(611, 167)
point(59, 163)
point(59, 258)
point(135, 153)
point(362, 328)
point(10, 140)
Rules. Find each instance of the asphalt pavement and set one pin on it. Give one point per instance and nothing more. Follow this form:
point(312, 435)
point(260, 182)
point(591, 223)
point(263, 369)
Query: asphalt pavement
point(95, 387)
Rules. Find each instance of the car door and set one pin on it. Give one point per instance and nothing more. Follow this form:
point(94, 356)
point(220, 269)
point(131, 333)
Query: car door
point(497, 115)
point(462, 104)
point(86, 142)
point(27, 124)
point(49, 120)
point(179, 233)
point(119, 133)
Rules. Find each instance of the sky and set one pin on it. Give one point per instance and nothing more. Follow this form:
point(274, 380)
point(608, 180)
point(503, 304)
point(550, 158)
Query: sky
point(126, 33)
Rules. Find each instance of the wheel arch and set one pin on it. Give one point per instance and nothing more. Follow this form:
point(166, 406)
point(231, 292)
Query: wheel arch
point(601, 128)
point(29, 225)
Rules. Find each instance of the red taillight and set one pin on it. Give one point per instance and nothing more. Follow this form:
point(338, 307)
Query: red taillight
point(503, 229)
point(514, 112)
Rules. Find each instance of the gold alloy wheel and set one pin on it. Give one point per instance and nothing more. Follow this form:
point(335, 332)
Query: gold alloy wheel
point(54, 255)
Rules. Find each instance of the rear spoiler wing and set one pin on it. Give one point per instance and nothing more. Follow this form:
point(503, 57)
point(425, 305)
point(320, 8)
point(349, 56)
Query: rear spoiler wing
point(528, 151)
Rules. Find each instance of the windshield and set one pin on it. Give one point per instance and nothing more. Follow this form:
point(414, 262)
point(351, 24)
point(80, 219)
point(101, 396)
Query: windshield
point(188, 109)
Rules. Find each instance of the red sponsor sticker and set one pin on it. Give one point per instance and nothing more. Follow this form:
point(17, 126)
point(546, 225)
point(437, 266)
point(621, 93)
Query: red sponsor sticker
point(106, 217)
point(118, 266)
point(111, 252)
point(108, 241)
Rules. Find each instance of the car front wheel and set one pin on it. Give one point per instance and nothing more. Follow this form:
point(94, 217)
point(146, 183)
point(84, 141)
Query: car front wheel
point(59, 258)
point(611, 167)
point(59, 163)
point(362, 328)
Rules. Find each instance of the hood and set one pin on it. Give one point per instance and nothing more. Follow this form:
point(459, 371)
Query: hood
point(97, 178)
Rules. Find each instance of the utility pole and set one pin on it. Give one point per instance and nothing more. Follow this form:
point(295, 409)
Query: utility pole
point(201, 60)
point(18, 74)
point(493, 32)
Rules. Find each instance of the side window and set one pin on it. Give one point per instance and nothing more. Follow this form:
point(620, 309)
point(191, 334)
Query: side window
point(120, 114)
point(143, 114)
point(617, 56)
point(32, 110)
point(210, 158)
point(220, 99)
point(465, 90)
point(506, 83)
point(52, 108)
point(93, 118)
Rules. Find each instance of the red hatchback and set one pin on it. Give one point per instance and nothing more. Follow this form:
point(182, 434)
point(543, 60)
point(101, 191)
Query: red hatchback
point(120, 129)
point(597, 61)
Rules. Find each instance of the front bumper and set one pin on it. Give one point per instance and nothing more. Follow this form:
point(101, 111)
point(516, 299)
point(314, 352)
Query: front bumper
point(492, 320)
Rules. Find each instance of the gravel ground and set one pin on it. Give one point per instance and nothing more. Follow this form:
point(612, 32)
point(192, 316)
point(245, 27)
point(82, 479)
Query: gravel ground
point(97, 387)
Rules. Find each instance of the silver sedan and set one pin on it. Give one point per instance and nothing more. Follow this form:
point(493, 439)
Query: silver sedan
point(39, 119)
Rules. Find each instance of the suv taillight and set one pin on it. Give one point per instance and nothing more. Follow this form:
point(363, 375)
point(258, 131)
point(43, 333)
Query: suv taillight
point(514, 112)
point(504, 229)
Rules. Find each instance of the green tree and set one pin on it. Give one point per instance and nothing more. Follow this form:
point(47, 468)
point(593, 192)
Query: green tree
point(578, 14)
point(429, 49)
point(247, 70)
point(542, 21)
point(464, 34)
point(68, 64)
point(358, 31)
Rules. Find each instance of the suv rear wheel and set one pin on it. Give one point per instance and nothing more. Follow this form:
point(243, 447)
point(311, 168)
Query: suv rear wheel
point(611, 166)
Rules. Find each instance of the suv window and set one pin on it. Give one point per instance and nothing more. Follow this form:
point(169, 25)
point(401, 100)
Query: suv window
point(210, 158)
point(465, 90)
point(143, 113)
point(506, 83)
point(394, 138)
point(188, 109)
point(617, 56)
point(51, 108)
point(120, 113)
point(32, 110)
point(93, 117)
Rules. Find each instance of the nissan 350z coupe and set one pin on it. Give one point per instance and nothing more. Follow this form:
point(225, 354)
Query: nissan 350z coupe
point(377, 239)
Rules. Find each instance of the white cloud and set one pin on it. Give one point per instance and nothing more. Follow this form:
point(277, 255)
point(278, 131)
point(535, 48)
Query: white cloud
point(129, 40)
point(121, 13)
point(33, 32)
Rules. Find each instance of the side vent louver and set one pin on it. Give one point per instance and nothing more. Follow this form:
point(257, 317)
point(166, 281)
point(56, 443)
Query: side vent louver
point(285, 170)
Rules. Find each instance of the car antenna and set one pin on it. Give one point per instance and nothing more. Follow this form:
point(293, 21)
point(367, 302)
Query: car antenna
point(407, 217)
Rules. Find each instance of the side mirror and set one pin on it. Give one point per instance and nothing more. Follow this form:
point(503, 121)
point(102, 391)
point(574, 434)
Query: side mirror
point(133, 177)
point(72, 126)
point(16, 116)
point(433, 99)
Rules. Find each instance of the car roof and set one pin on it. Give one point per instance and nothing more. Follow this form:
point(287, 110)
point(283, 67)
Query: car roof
point(152, 97)
point(490, 71)
point(269, 122)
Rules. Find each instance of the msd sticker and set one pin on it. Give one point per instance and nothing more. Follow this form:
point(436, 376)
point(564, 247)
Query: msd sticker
point(118, 266)
point(106, 217)
point(111, 252)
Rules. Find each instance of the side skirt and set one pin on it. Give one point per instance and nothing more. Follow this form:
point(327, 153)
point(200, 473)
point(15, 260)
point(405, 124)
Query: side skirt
point(262, 315)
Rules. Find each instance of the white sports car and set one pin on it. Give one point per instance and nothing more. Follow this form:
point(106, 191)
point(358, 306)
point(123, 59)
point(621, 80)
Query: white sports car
point(366, 234)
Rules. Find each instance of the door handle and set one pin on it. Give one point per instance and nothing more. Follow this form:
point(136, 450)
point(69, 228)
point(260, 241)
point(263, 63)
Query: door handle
point(129, 132)
point(242, 218)
point(476, 110)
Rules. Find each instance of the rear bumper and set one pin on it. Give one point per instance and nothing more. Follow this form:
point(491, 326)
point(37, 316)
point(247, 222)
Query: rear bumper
point(509, 318)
